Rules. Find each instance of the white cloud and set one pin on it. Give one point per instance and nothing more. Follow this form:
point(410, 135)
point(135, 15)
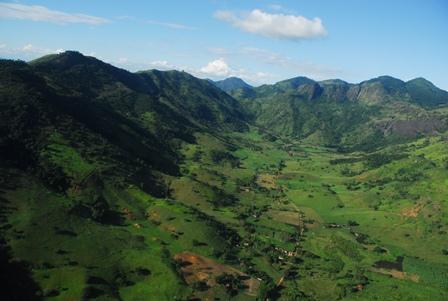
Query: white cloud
point(217, 67)
point(170, 25)
point(162, 65)
point(31, 49)
point(281, 26)
point(42, 14)
point(27, 50)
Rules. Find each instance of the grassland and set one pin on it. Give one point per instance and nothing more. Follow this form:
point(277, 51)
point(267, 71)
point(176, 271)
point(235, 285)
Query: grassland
point(305, 221)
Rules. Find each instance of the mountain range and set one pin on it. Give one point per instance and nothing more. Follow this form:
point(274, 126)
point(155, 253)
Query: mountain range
point(157, 185)
point(350, 116)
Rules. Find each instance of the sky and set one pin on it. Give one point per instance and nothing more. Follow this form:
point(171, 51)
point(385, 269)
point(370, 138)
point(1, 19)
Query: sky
point(258, 41)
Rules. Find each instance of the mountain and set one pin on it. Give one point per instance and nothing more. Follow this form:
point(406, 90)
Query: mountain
point(160, 186)
point(128, 123)
point(93, 146)
point(336, 113)
point(170, 93)
point(231, 84)
point(424, 93)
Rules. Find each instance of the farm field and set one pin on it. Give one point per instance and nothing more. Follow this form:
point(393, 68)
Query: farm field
point(295, 221)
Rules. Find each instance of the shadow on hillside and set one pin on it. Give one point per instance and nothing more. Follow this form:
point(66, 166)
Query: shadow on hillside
point(15, 278)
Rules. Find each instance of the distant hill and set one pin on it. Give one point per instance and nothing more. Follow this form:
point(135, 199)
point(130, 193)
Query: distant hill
point(337, 113)
point(151, 110)
point(231, 84)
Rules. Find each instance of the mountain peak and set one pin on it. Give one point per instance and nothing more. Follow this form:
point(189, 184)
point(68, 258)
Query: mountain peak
point(295, 82)
point(426, 93)
point(234, 78)
point(335, 81)
point(382, 88)
point(386, 80)
point(68, 57)
point(420, 81)
point(232, 83)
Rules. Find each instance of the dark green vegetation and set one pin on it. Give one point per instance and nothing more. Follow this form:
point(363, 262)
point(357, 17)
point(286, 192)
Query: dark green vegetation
point(351, 117)
point(159, 186)
point(231, 84)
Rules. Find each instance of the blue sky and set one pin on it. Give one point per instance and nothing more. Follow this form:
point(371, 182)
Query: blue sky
point(259, 41)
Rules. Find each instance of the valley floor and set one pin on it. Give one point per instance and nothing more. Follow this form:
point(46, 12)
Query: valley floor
point(249, 219)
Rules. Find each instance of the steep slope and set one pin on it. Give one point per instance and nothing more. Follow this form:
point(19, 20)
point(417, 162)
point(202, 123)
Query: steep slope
point(89, 148)
point(106, 114)
point(198, 100)
point(177, 97)
point(350, 116)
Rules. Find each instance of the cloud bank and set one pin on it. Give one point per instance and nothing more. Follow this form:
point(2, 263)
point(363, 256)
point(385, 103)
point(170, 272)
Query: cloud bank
point(279, 26)
point(218, 67)
point(42, 14)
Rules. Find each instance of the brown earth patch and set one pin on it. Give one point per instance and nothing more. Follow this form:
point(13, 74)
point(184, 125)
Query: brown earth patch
point(169, 228)
point(197, 268)
point(267, 181)
point(412, 211)
point(153, 216)
point(128, 214)
point(398, 274)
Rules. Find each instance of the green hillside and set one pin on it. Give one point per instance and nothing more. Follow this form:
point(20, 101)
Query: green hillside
point(361, 116)
point(159, 186)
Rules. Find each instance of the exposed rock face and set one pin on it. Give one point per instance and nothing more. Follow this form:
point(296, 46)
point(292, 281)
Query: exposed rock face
point(310, 91)
point(412, 128)
point(336, 89)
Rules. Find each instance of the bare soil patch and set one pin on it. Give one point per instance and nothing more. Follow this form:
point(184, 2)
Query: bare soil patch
point(197, 268)
point(398, 274)
point(412, 211)
point(267, 181)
